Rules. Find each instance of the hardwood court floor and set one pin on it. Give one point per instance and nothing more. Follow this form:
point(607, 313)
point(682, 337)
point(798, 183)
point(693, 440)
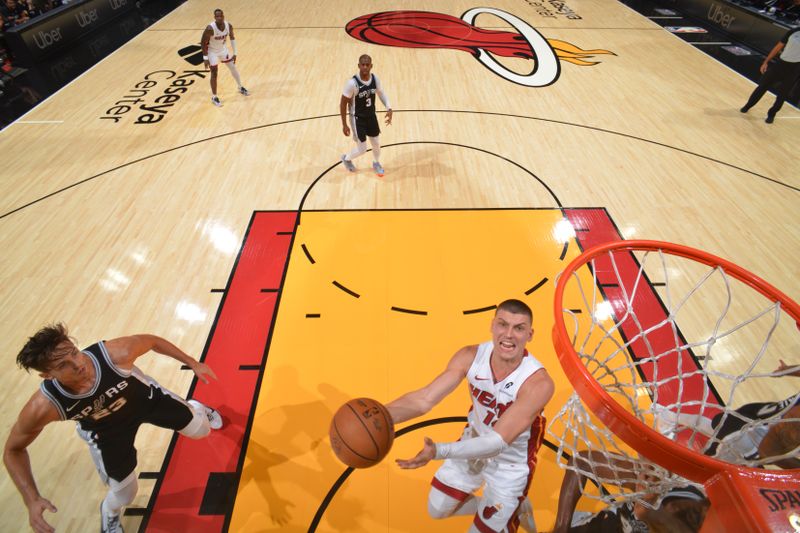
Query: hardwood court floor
point(121, 226)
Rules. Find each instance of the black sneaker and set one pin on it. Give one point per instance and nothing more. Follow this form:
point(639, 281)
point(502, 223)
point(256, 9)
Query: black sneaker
point(244, 91)
point(770, 119)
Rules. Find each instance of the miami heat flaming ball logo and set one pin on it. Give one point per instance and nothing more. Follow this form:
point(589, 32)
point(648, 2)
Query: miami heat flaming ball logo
point(426, 29)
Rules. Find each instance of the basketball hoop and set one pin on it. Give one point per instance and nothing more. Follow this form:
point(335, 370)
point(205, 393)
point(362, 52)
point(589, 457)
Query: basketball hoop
point(650, 321)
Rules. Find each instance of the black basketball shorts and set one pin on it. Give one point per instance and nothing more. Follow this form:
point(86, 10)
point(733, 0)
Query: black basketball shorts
point(366, 127)
point(116, 444)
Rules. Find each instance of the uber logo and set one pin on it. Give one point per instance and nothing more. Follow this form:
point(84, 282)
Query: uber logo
point(45, 39)
point(85, 18)
point(717, 14)
point(116, 4)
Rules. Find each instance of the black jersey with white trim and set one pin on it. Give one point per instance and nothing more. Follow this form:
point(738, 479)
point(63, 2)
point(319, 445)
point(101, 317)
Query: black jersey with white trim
point(364, 100)
point(116, 398)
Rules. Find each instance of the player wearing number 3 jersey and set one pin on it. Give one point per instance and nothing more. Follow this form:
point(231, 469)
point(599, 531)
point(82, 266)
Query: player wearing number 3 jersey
point(359, 95)
point(497, 449)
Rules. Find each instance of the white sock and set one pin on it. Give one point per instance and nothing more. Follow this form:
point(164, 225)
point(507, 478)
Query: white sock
point(120, 494)
point(359, 149)
point(235, 73)
point(376, 148)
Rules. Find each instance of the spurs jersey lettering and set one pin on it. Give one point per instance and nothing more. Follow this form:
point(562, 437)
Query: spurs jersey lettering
point(114, 400)
point(364, 101)
point(217, 42)
point(490, 400)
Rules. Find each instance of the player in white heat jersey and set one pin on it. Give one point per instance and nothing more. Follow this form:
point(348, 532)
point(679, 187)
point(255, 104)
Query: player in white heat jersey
point(497, 449)
point(215, 51)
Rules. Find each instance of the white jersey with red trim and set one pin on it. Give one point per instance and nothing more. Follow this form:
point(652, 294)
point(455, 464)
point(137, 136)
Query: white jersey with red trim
point(490, 400)
point(217, 42)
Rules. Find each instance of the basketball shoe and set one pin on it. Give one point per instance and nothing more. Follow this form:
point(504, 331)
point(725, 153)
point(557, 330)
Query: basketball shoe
point(244, 91)
point(348, 164)
point(215, 101)
point(214, 418)
point(378, 169)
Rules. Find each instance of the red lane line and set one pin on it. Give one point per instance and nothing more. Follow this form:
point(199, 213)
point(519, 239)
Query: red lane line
point(239, 338)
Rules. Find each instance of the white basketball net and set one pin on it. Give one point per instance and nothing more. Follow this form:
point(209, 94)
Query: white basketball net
point(679, 344)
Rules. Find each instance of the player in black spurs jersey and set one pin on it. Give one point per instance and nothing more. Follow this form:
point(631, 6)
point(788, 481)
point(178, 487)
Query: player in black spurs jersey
point(359, 95)
point(100, 388)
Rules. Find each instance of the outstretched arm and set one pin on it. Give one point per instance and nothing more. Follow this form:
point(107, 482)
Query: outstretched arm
point(419, 402)
point(601, 465)
point(531, 399)
point(36, 414)
point(569, 494)
point(125, 350)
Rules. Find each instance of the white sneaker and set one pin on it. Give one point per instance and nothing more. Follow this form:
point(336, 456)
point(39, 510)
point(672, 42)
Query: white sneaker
point(214, 418)
point(109, 523)
point(215, 101)
point(525, 515)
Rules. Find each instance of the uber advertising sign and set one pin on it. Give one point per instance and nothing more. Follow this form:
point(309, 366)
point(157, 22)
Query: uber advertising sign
point(64, 25)
point(755, 30)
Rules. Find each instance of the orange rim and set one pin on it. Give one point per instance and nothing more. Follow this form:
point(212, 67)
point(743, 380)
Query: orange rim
point(647, 441)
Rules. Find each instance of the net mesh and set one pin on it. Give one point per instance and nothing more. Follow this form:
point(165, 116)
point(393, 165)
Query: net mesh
point(691, 352)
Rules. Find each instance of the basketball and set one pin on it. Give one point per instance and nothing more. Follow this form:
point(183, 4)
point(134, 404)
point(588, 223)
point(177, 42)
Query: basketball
point(362, 433)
